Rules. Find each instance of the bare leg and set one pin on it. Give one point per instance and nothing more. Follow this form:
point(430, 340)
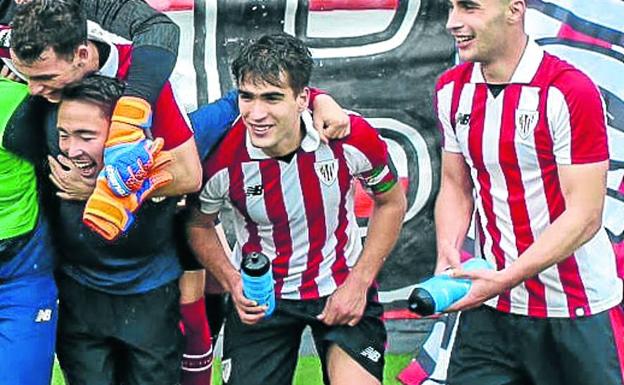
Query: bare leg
point(344, 370)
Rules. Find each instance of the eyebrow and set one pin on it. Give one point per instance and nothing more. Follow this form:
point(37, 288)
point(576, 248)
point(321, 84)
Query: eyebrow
point(262, 95)
point(42, 77)
point(468, 2)
point(80, 131)
point(272, 94)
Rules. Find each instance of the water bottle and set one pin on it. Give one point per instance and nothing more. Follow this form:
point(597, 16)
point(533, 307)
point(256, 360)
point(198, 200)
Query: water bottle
point(257, 278)
point(441, 291)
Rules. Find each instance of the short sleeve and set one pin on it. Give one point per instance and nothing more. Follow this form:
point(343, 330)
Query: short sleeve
point(169, 120)
point(576, 117)
point(214, 193)
point(442, 105)
point(368, 159)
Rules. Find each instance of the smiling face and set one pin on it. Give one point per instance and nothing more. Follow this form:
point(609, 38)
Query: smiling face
point(272, 114)
point(83, 128)
point(49, 74)
point(479, 28)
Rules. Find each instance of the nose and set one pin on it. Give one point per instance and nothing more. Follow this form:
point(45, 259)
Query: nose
point(70, 147)
point(453, 22)
point(257, 111)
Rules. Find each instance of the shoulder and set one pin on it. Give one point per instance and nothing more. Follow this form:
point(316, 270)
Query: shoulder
point(231, 149)
point(366, 139)
point(573, 84)
point(124, 60)
point(565, 76)
point(361, 131)
point(458, 73)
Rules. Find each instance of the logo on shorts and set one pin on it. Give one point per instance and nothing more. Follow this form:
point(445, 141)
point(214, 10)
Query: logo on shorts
point(226, 370)
point(371, 354)
point(526, 120)
point(327, 170)
point(44, 315)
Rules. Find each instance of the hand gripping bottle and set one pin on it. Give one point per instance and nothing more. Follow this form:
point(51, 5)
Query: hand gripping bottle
point(441, 291)
point(257, 278)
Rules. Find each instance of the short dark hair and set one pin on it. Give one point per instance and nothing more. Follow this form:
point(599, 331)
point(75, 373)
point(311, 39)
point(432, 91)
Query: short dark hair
point(40, 24)
point(264, 60)
point(97, 89)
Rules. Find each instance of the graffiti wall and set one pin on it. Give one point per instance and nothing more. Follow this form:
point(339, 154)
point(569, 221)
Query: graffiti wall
point(380, 58)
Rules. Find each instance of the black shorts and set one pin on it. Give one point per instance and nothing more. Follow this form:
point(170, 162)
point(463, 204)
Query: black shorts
point(106, 339)
point(266, 353)
point(494, 348)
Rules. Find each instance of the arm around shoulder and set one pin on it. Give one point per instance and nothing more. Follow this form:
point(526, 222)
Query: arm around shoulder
point(185, 169)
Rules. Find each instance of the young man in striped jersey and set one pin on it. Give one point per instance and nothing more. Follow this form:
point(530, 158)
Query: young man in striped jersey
point(292, 197)
point(524, 140)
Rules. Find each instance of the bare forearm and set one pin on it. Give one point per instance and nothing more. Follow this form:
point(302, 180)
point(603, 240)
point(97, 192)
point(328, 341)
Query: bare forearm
point(453, 212)
point(583, 187)
point(564, 236)
point(384, 228)
point(205, 243)
point(185, 169)
point(453, 209)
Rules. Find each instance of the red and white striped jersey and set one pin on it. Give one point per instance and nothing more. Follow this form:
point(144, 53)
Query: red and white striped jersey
point(299, 213)
point(549, 114)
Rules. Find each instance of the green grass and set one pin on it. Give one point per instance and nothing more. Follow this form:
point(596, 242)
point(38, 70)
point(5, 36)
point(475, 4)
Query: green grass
point(308, 370)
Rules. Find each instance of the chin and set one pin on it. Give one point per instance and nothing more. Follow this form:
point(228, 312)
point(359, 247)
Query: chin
point(465, 56)
point(261, 142)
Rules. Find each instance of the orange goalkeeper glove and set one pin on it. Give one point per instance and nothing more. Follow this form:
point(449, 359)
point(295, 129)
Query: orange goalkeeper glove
point(110, 215)
point(128, 154)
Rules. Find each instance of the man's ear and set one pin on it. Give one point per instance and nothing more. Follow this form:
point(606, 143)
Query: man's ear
point(303, 99)
point(515, 11)
point(82, 55)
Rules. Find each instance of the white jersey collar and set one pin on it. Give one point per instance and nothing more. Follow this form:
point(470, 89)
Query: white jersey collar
point(96, 33)
point(526, 69)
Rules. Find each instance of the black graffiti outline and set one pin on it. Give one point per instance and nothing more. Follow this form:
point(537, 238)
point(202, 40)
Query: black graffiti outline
point(301, 26)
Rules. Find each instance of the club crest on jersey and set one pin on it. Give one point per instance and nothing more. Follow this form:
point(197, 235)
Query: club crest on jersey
point(226, 370)
point(526, 120)
point(327, 170)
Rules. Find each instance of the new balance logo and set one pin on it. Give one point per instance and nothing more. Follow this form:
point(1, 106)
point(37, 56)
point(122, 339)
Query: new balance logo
point(254, 190)
point(463, 119)
point(44, 315)
point(5, 38)
point(371, 354)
